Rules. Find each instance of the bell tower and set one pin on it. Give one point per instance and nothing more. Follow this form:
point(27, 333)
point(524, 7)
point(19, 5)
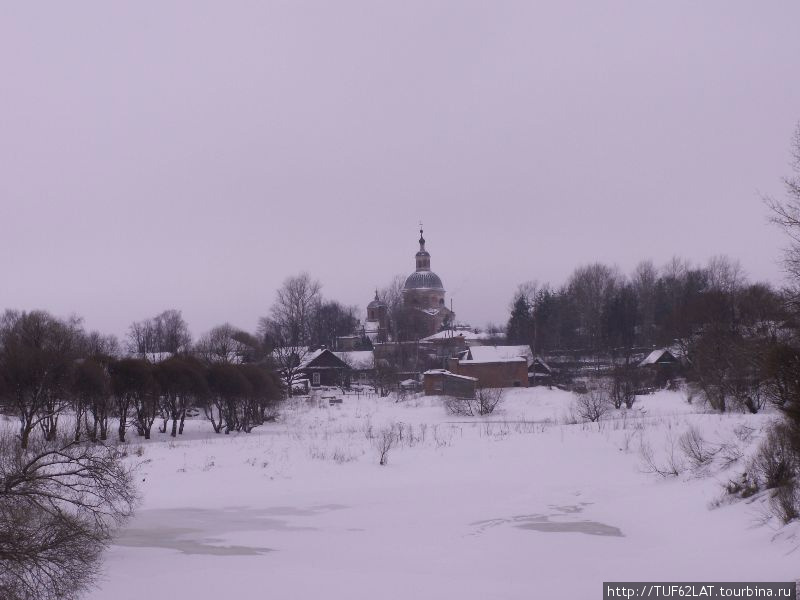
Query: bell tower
point(423, 256)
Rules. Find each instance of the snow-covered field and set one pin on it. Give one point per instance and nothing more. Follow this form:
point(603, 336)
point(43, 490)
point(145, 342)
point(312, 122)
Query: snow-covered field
point(515, 505)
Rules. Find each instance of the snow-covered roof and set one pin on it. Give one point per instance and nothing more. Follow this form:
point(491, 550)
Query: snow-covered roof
point(360, 360)
point(448, 374)
point(500, 353)
point(544, 365)
point(657, 355)
point(310, 357)
point(448, 334)
point(153, 357)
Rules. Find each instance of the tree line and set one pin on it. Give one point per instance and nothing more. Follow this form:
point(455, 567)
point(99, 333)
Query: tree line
point(157, 374)
point(50, 367)
point(601, 310)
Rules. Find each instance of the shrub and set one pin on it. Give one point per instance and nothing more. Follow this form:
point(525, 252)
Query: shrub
point(695, 448)
point(384, 441)
point(483, 403)
point(775, 463)
point(592, 405)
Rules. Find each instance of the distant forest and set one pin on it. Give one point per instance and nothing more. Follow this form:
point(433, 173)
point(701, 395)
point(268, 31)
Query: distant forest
point(599, 310)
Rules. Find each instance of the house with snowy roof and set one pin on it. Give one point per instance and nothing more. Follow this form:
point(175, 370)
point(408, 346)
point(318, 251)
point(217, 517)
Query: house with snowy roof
point(441, 382)
point(494, 366)
point(499, 353)
point(361, 363)
point(660, 357)
point(323, 368)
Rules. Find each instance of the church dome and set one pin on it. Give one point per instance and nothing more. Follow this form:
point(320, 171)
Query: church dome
point(377, 302)
point(425, 280)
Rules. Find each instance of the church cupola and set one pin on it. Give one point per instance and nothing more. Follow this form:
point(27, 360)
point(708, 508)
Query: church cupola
point(423, 257)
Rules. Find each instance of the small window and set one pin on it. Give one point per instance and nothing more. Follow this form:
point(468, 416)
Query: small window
point(315, 378)
point(363, 377)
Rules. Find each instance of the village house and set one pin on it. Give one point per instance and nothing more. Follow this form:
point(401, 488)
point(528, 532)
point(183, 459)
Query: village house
point(440, 382)
point(494, 366)
point(323, 368)
point(361, 364)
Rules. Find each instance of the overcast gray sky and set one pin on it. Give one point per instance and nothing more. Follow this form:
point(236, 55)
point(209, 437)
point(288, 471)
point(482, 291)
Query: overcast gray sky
point(194, 154)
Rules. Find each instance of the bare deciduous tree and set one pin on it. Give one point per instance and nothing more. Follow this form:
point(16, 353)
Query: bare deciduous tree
point(131, 382)
point(384, 441)
point(91, 392)
point(181, 383)
point(786, 213)
point(59, 505)
point(165, 333)
point(292, 311)
point(37, 354)
point(592, 405)
point(484, 402)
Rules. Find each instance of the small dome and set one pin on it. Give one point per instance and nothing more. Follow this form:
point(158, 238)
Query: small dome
point(377, 302)
point(427, 280)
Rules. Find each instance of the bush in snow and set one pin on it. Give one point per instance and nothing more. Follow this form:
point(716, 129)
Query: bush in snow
point(695, 448)
point(775, 463)
point(483, 403)
point(624, 382)
point(592, 405)
point(670, 466)
point(384, 441)
point(776, 467)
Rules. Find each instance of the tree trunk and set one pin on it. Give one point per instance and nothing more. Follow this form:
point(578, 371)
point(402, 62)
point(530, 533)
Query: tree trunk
point(103, 428)
point(24, 434)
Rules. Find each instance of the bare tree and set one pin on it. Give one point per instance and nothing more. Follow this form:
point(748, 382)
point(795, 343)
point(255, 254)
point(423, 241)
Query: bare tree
point(131, 384)
point(294, 306)
point(221, 344)
point(261, 402)
point(59, 505)
point(644, 281)
point(384, 441)
point(182, 383)
point(592, 405)
point(484, 402)
point(37, 354)
point(392, 296)
point(786, 213)
point(591, 286)
point(172, 332)
point(91, 392)
point(228, 391)
point(167, 332)
point(289, 361)
point(329, 320)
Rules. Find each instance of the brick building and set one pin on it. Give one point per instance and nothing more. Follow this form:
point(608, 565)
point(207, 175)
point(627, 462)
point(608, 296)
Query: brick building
point(502, 372)
point(439, 382)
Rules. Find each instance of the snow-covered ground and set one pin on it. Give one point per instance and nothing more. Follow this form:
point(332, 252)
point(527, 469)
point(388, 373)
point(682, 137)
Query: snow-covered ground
point(515, 505)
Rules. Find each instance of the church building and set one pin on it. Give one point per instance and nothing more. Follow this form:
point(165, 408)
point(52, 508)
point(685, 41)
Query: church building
point(425, 311)
point(423, 293)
